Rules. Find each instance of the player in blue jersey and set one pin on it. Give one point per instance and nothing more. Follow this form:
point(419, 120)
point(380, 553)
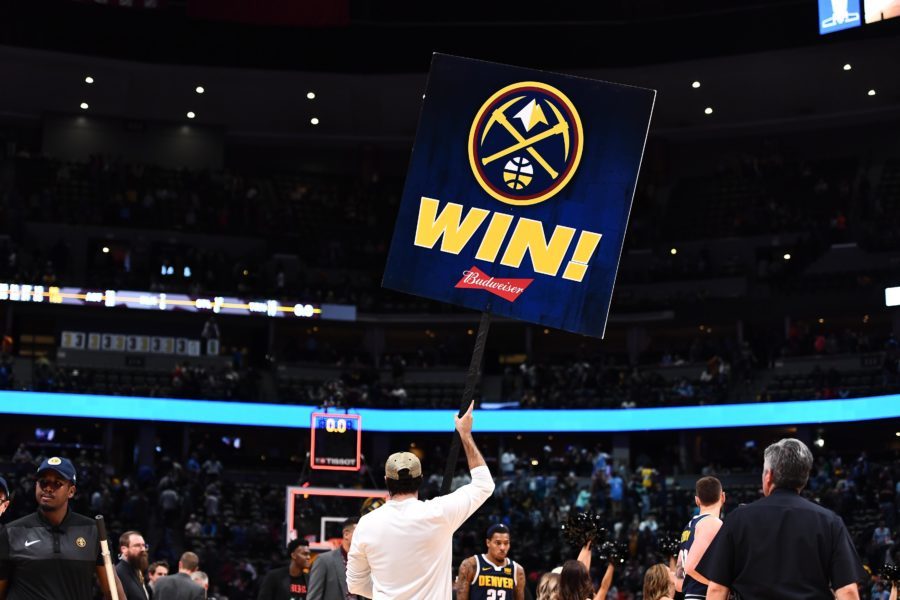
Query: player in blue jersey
point(491, 576)
point(696, 537)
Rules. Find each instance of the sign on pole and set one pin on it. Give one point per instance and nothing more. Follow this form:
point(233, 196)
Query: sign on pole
point(519, 191)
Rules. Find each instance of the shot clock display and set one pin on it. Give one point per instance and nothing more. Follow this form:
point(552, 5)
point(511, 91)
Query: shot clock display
point(336, 441)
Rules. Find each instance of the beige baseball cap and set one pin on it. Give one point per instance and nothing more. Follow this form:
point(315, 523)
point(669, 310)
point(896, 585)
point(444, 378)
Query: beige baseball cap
point(402, 461)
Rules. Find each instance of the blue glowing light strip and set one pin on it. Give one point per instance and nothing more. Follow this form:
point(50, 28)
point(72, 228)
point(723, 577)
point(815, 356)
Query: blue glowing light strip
point(500, 421)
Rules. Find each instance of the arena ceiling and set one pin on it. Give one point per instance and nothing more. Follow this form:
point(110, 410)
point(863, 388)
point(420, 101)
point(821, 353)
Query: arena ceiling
point(374, 36)
point(760, 65)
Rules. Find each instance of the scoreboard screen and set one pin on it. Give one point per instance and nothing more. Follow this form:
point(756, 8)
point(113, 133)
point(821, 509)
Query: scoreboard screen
point(335, 442)
point(839, 14)
point(835, 15)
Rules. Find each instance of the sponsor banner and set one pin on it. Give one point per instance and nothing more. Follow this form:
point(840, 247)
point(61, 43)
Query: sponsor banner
point(508, 289)
point(519, 191)
point(143, 344)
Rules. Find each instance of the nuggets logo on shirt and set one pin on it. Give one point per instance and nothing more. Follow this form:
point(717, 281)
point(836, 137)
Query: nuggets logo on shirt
point(81, 542)
point(525, 143)
point(492, 582)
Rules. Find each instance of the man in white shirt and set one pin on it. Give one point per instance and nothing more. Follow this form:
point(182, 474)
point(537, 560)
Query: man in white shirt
point(403, 550)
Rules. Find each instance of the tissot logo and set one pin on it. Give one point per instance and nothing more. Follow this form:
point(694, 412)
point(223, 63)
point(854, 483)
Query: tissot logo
point(508, 289)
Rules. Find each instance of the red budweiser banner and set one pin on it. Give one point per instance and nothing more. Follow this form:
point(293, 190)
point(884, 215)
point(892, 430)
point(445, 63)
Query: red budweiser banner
point(508, 289)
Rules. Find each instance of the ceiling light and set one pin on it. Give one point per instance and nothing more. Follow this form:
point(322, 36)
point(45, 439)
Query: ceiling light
point(847, 67)
point(310, 95)
point(787, 257)
point(708, 110)
point(199, 89)
point(84, 105)
point(105, 249)
point(673, 251)
point(314, 120)
point(695, 85)
point(191, 114)
point(871, 92)
point(89, 79)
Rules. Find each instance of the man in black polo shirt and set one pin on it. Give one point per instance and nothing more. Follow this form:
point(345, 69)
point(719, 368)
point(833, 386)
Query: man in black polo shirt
point(53, 553)
point(783, 546)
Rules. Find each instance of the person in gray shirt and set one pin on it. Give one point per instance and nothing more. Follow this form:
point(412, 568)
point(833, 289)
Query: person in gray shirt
point(328, 577)
point(180, 586)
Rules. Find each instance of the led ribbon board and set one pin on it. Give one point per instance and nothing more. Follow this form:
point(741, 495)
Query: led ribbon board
point(158, 301)
point(441, 421)
point(519, 191)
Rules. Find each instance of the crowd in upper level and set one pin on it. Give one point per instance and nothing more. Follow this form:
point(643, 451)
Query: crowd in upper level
point(325, 238)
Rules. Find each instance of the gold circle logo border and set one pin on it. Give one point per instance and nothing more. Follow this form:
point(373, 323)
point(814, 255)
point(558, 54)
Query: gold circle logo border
point(578, 149)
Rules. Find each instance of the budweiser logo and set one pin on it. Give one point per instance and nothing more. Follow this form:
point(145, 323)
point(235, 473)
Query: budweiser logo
point(508, 289)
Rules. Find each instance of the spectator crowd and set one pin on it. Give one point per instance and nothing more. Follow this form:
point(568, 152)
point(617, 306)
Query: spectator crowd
point(236, 527)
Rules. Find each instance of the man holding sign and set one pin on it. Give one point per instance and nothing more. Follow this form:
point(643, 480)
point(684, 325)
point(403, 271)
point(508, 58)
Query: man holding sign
point(518, 196)
point(515, 204)
point(404, 549)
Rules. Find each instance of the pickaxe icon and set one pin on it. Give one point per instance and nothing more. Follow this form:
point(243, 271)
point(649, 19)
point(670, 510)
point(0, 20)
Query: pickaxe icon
point(499, 116)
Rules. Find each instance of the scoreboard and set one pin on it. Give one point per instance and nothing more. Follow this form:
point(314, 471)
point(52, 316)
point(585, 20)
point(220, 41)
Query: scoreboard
point(335, 443)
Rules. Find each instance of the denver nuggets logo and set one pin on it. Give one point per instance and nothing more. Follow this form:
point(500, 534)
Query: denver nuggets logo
point(81, 542)
point(54, 461)
point(525, 143)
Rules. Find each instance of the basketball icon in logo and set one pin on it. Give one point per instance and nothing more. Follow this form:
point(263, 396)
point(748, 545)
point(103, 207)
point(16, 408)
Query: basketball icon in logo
point(525, 143)
point(518, 173)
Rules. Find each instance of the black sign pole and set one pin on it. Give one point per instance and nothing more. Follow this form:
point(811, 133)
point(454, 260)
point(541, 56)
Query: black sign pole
point(472, 380)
